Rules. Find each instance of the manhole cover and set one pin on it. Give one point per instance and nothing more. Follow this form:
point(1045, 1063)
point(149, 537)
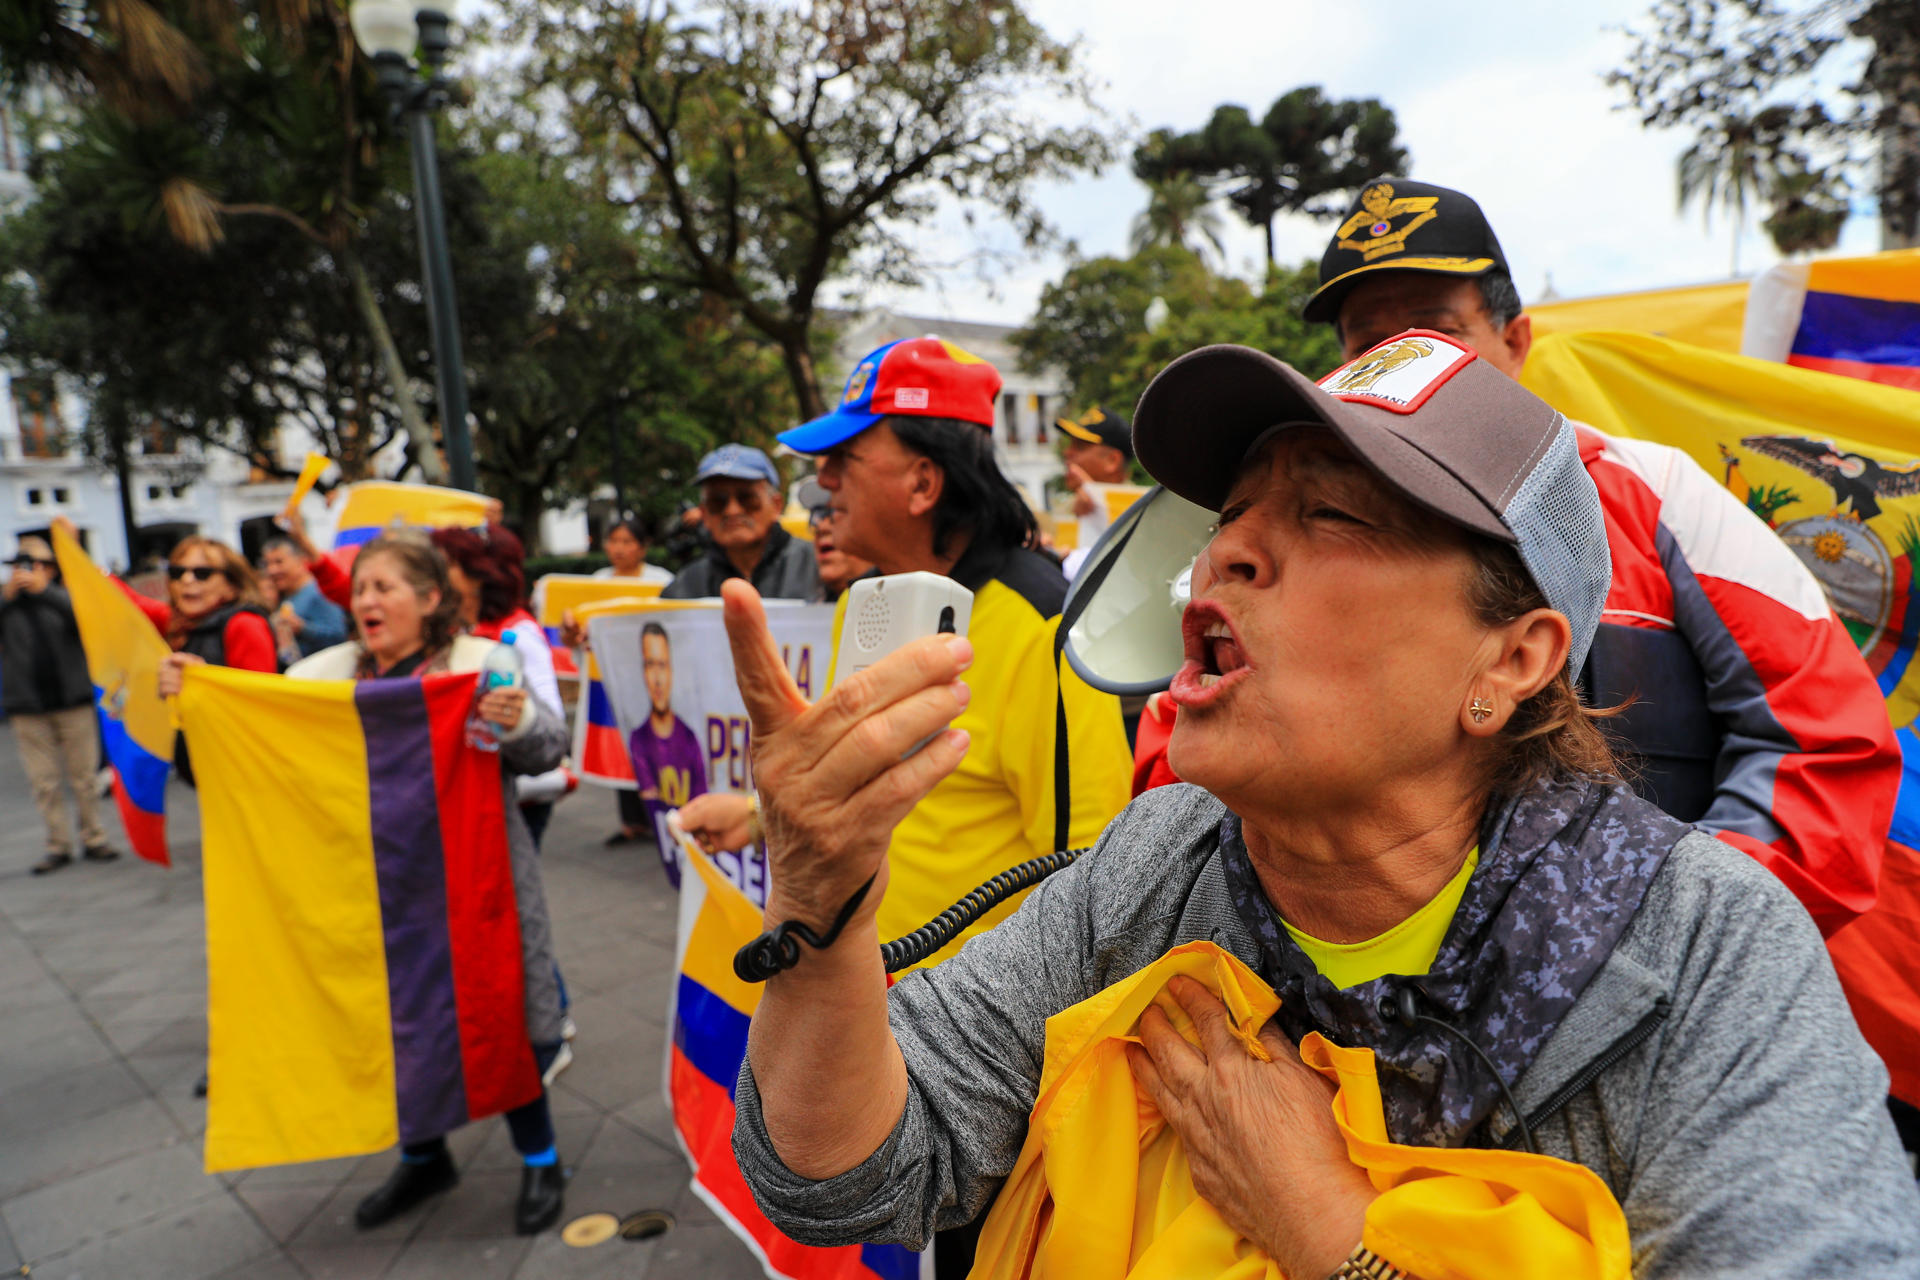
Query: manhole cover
point(646, 1224)
point(590, 1229)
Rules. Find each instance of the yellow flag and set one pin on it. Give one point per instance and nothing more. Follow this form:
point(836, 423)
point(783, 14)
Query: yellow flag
point(309, 473)
point(136, 727)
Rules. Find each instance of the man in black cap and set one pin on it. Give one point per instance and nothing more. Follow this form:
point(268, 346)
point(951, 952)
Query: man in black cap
point(1097, 448)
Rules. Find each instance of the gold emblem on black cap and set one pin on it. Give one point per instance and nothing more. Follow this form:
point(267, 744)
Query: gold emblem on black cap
point(1377, 212)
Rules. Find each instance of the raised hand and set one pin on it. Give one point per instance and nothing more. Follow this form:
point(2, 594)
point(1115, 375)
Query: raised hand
point(832, 780)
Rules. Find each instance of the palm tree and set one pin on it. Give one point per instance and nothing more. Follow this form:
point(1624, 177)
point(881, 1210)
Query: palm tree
point(1732, 165)
point(1179, 206)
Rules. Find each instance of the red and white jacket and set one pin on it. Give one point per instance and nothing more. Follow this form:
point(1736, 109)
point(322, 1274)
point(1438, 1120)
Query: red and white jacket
point(1754, 712)
point(1804, 769)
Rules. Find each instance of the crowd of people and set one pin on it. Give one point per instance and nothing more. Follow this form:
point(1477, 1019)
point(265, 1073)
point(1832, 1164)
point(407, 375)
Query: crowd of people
point(1522, 755)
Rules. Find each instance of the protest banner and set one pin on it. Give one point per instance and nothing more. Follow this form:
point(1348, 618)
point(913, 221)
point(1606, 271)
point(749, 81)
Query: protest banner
point(711, 1011)
point(1829, 463)
point(136, 726)
point(599, 747)
point(669, 683)
point(364, 982)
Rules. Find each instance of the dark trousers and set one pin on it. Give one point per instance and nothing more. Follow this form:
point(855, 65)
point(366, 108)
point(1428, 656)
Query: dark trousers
point(530, 1124)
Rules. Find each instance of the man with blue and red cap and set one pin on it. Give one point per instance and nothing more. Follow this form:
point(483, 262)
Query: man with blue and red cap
point(907, 458)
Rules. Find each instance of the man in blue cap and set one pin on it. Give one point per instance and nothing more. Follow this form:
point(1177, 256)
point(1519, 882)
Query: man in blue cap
point(740, 498)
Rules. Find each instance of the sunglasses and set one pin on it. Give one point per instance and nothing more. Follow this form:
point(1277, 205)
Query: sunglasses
point(31, 562)
point(198, 572)
point(716, 503)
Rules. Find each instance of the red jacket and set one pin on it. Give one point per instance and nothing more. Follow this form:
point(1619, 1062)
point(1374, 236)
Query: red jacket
point(1758, 718)
point(247, 638)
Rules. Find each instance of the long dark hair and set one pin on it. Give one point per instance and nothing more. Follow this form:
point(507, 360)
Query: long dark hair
point(492, 557)
point(977, 497)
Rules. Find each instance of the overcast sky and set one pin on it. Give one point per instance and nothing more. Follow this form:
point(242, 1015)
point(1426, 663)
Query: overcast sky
point(1504, 101)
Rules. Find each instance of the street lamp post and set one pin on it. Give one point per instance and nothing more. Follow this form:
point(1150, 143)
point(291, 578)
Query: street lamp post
point(389, 30)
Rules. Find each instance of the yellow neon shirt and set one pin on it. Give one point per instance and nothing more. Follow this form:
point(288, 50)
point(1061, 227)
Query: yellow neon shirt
point(1406, 949)
point(996, 809)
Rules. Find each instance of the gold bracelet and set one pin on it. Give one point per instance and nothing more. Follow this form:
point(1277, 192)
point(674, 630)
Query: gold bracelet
point(1364, 1264)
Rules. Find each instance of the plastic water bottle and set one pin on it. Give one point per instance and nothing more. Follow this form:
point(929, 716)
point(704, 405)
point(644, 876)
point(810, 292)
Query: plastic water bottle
point(499, 670)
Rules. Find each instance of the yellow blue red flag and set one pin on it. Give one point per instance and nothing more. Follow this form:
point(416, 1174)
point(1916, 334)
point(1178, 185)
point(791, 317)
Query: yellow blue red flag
point(372, 506)
point(712, 1009)
point(1832, 464)
point(136, 727)
point(364, 982)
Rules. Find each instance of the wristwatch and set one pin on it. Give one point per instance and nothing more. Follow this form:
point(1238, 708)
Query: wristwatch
point(1364, 1264)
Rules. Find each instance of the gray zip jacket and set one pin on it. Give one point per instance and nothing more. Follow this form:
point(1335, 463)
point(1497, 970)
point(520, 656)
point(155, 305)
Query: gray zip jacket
point(1709, 1070)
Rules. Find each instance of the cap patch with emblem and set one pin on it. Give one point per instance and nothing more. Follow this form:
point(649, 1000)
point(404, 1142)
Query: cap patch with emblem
point(1401, 372)
point(1387, 220)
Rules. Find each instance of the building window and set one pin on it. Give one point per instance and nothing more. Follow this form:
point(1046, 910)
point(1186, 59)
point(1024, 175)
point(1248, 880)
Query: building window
point(1010, 417)
point(33, 497)
point(60, 496)
point(180, 490)
point(38, 413)
point(153, 493)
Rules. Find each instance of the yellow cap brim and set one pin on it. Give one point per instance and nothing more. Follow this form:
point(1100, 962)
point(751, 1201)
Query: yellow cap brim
point(1077, 431)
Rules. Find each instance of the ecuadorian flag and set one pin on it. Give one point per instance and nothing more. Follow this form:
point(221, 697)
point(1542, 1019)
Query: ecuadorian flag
point(370, 507)
point(599, 749)
point(1784, 440)
point(1861, 318)
point(123, 659)
point(711, 1012)
point(364, 981)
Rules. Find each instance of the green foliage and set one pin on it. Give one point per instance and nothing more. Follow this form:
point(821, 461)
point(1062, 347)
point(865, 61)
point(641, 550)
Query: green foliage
point(583, 374)
point(1767, 500)
point(1091, 323)
point(1753, 75)
point(1303, 156)
point(1179, 212)
point(773, 147)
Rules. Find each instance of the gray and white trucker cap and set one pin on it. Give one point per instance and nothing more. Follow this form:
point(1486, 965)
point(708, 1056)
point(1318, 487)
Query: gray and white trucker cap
point(1432, 419)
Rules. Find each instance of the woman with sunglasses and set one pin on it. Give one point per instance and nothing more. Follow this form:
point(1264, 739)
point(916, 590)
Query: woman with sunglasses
point(215, 610)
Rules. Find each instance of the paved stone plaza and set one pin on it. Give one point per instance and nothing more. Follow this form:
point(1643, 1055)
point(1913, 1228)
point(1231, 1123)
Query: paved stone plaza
point(103, 1001)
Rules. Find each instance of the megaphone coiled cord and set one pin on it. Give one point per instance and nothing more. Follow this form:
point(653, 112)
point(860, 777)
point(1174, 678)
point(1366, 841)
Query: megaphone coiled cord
point(945, 927)
point(779, 949)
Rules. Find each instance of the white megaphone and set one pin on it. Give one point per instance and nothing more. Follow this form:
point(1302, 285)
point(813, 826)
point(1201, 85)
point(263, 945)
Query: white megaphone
point(1122, 612)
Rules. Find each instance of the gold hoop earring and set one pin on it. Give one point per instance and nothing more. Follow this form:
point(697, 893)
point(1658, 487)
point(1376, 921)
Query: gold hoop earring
point(1480, 710)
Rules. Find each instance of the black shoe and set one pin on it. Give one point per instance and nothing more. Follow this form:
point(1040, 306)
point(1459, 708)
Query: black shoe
point(406, 1187)
point(52, 862)
point(200, 1086)
point(100, 853)
point(542, 1194)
